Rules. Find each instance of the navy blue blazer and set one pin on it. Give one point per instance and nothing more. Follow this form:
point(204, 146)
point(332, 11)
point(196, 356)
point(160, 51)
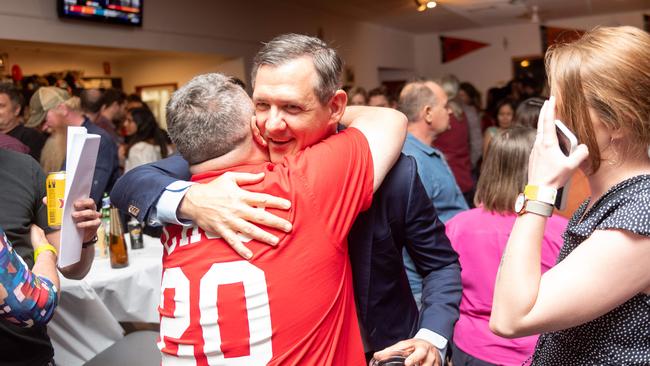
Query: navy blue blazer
point(401, 216)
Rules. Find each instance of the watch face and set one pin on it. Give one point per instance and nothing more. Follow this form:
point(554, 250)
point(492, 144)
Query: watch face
point(519, 203)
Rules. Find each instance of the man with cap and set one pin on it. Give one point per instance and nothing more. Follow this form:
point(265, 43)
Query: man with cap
point(59, 110)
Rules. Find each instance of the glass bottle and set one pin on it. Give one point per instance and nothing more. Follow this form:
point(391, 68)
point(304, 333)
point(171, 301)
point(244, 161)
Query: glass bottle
point(117, 244)
point(135, 233)
point(103, 237)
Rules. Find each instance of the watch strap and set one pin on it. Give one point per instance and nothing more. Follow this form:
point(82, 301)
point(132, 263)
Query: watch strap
point(90, 242)
point(539, 208)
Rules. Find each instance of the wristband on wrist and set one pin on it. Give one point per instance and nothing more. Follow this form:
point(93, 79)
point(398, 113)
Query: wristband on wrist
point(540, 193)
point(90, 242)
point(45, 247)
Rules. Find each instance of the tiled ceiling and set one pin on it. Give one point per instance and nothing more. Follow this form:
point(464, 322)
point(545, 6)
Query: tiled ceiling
point(463, 14)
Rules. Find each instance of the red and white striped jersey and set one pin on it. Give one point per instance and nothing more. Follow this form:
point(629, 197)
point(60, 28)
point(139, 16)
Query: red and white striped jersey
point(290, 305)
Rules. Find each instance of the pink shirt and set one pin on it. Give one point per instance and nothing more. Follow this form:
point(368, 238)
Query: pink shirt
point(480, 238)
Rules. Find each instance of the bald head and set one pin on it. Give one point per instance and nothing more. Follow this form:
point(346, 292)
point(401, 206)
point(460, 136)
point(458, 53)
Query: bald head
point(415, 96)
point(425, 101)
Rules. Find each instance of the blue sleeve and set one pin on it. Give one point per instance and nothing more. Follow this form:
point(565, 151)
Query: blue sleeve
point(106, 170)
point(435, 260)
point(138, 191)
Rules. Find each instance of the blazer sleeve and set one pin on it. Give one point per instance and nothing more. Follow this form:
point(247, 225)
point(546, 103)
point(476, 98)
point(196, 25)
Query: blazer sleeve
point(106, 170)
point(137, 191)
point(435, 260)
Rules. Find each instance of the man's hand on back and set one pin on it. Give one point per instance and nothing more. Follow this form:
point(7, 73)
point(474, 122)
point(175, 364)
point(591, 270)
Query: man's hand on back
point(422, 353)
point(223, 208)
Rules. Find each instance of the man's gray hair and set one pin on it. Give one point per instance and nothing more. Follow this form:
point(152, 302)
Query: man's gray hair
point(288, 47)
point(414, 97)
point(451, 85)
point(208, 117)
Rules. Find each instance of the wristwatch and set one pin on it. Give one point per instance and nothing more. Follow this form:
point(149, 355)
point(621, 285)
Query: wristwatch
point(90, 242)
point(523, 205)
point(540, 193)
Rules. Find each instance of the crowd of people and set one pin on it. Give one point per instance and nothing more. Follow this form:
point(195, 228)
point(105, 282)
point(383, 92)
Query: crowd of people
point(420, 225)
point(472, 124)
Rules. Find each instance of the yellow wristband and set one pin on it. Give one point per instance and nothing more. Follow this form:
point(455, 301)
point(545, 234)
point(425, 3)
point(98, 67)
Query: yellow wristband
point(540, 193)
point(44, 247)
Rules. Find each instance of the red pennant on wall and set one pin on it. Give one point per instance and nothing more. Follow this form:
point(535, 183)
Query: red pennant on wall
point(453, 48)
point(553, 35)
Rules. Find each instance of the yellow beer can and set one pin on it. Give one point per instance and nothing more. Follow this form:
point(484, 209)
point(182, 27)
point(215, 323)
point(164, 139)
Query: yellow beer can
point(55, 183)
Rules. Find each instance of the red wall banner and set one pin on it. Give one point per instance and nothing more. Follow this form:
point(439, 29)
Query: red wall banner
point(453, 48)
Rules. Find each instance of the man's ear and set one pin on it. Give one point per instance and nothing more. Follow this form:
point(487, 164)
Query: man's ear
point(257, 135)
point(337, 106)
point(428, 116)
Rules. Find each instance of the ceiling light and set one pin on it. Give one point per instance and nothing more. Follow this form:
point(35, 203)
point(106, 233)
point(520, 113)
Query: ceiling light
point(423, 5)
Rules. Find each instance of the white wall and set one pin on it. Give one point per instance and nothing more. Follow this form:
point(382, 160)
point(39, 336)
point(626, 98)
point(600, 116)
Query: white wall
point(174, 69)
point(485, 67)
point(214, 27)
point(492, 65)
point(366, 48)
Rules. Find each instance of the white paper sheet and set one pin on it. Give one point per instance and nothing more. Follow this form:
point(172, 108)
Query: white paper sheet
point(81, 156)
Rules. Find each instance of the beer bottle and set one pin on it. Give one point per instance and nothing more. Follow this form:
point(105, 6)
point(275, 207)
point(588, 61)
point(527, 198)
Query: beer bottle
point(135, 233)
point(103, 232)
point(117, 245)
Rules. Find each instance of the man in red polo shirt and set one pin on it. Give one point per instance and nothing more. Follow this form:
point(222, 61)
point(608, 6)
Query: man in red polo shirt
point(291, 304)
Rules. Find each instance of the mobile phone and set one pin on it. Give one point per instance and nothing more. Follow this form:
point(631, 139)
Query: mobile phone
point(566, 138)
point(568, 143)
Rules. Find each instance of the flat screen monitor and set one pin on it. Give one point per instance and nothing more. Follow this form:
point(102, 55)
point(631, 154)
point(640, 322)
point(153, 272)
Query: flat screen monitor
point(111, 11)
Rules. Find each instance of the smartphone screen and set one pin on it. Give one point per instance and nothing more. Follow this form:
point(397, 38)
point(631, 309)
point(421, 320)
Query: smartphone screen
point(565, 145)
point(566, 139)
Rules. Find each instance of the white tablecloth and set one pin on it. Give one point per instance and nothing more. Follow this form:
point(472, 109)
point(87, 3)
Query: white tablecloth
point(86, 320)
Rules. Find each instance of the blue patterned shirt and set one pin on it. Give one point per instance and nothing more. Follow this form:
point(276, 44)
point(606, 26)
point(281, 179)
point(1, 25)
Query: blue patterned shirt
point(25, 299)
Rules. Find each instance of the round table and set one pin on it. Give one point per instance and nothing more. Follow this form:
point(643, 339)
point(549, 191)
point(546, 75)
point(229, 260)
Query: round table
point(87, 319)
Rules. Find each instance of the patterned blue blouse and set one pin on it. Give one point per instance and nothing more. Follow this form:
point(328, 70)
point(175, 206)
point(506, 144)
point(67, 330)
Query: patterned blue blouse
point(25, 299)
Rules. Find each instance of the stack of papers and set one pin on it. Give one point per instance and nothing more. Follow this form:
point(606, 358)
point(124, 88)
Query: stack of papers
point(81, 156)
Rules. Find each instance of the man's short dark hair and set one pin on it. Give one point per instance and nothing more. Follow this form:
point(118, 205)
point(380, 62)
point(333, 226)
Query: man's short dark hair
point(288, 47)
point(91, 100)
point(380, 90)
point(15, 96)
point(113, 95)
point(208, 117)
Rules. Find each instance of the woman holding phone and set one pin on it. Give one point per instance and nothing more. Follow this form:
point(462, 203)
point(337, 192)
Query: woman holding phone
point(593, 307)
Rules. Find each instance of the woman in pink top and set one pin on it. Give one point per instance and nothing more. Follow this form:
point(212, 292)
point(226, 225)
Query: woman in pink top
point(480, 236)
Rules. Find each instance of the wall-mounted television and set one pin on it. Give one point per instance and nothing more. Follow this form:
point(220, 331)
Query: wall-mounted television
point(111, 11)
